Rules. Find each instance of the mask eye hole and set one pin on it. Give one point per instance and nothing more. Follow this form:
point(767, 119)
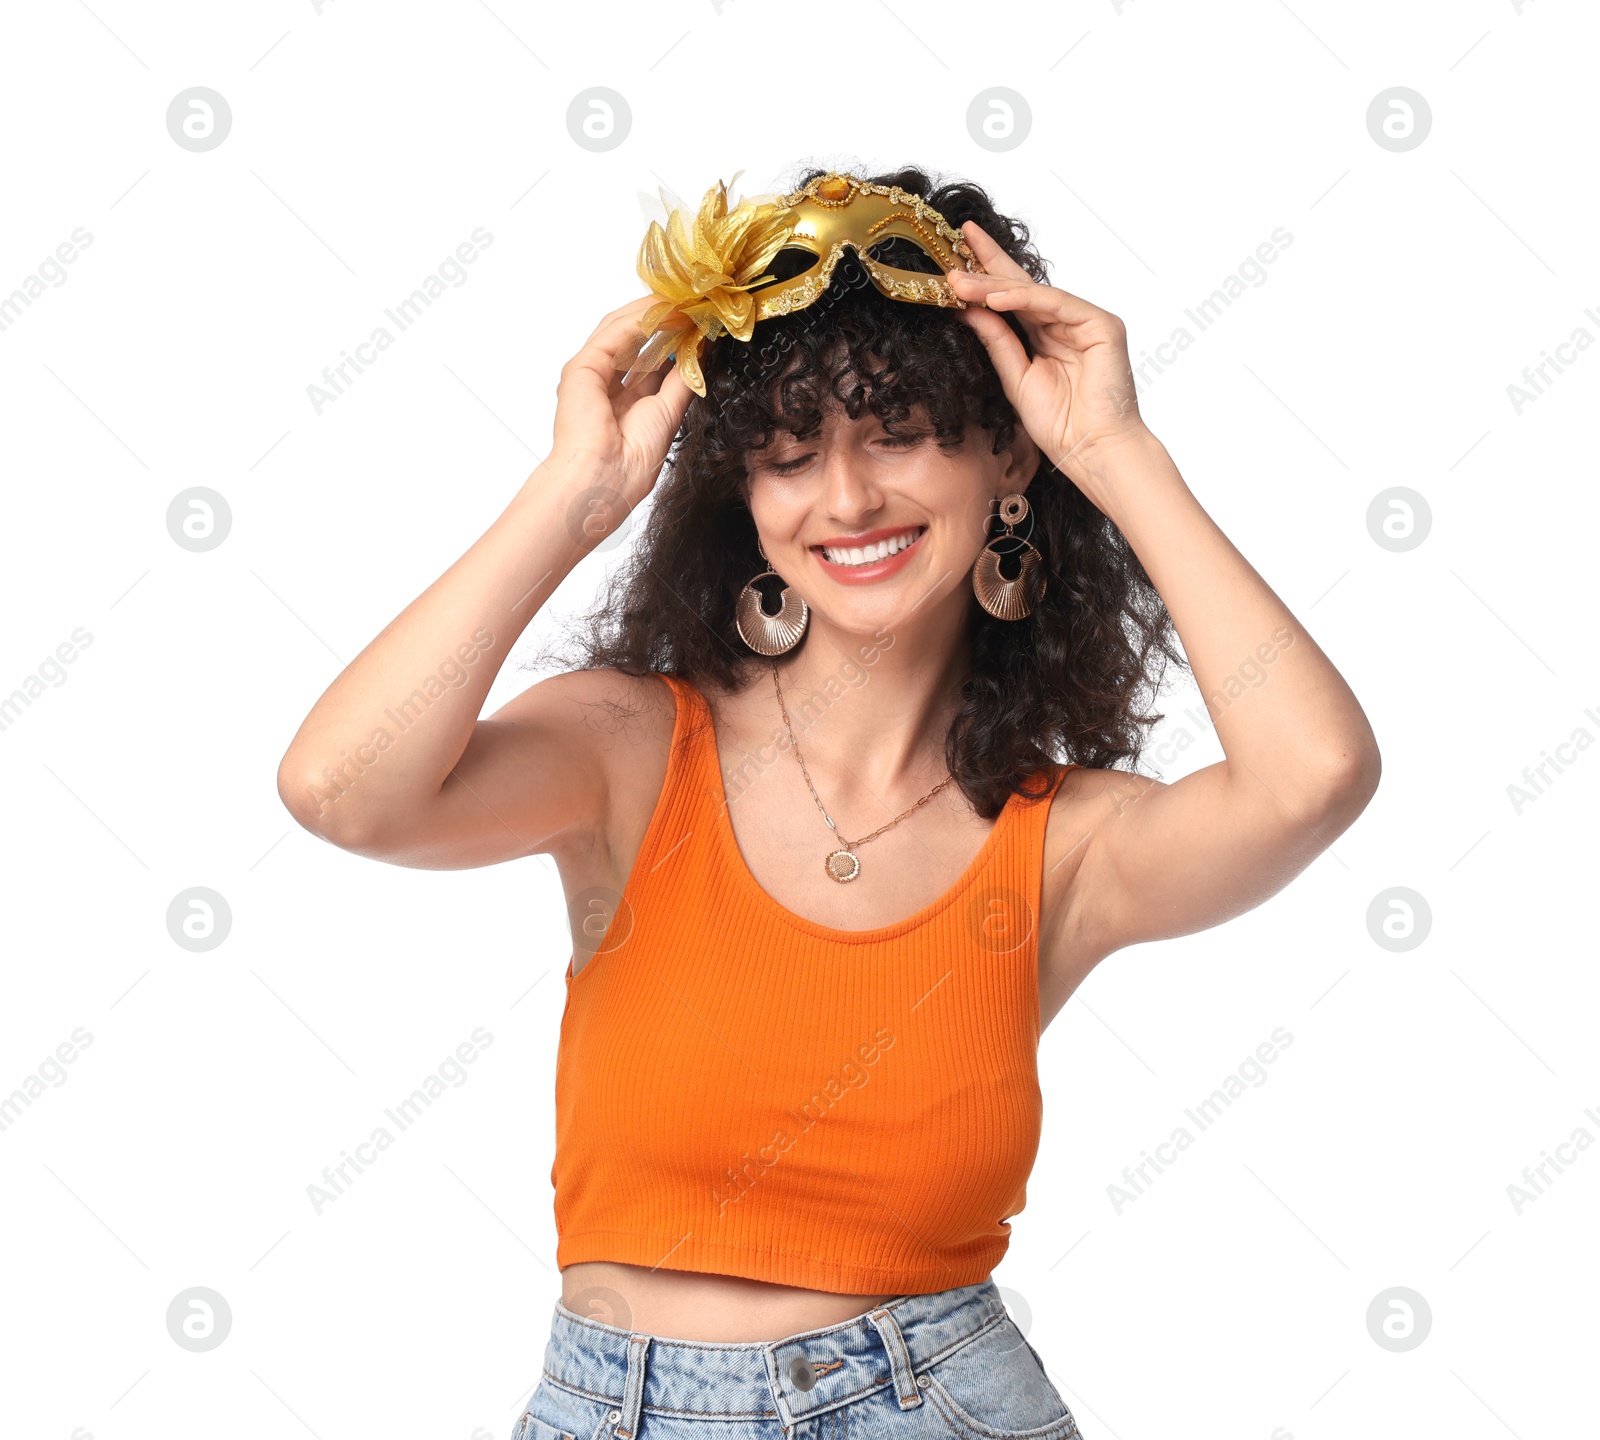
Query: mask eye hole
point(791, 261)
point(904, 254)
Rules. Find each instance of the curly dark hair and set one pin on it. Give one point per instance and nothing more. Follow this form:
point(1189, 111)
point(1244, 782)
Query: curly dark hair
point(1069, 682)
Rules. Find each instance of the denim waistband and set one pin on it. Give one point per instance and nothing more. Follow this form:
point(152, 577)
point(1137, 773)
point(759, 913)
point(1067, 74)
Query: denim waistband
point(799, 1376)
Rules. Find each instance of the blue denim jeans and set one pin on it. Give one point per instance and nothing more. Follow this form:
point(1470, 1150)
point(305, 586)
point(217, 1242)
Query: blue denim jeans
point(947, 1366)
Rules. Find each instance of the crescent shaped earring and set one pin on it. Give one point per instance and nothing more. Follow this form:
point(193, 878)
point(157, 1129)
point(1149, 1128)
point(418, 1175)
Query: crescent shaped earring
point(1014, 598)
point(770, 634)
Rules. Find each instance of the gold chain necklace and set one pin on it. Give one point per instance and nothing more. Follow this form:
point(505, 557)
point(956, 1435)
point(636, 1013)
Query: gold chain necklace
point(842, 864)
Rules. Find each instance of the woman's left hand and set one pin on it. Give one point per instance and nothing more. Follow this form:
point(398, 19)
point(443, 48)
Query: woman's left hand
point(1075, 397)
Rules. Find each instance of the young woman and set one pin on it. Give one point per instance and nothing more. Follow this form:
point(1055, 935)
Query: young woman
point(837, 845)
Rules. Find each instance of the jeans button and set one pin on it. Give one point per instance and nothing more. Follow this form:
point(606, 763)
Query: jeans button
point(613, 1416)
point(922, 1381)
point(801, 1373)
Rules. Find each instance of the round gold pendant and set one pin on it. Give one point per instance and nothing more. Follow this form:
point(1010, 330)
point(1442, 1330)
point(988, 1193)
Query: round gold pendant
point(842, 866)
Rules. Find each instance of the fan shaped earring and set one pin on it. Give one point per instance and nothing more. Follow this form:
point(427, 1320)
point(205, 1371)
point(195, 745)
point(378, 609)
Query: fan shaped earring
point(770, 634)
point(1014, 598)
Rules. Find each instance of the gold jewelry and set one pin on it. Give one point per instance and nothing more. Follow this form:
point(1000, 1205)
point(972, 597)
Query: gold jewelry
point(842, 864)
point(1009, 599)
point(705, 269)
point(770, 634)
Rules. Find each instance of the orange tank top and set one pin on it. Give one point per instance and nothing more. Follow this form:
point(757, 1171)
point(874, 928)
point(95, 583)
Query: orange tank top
point(742, 1091)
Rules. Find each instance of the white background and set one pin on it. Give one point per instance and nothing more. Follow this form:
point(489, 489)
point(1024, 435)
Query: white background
point(1166, 142)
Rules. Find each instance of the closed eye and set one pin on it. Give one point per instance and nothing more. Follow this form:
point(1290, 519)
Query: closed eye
point(893, 442)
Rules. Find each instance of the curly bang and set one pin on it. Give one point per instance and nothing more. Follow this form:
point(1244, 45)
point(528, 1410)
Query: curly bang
point(1070, 682)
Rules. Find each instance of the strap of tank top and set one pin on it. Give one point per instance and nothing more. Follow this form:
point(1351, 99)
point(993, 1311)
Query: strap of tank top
point(681, 767)
point(1034, 815)
point(693, 732)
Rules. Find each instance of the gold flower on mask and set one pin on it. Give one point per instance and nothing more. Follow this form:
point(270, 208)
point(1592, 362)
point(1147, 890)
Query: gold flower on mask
point(704, 270)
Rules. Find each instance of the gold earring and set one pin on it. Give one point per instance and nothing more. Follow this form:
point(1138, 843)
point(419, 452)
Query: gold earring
point(770, 634)
point(1009, 599)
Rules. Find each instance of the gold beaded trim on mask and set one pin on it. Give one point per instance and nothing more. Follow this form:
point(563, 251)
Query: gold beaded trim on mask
point(916, 222)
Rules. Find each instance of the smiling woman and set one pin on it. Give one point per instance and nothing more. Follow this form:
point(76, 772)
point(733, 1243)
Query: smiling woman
point(860, 382)
point(797, 1094)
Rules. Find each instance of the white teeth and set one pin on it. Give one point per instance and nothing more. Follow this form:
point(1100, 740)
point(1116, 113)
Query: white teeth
point(866, 555)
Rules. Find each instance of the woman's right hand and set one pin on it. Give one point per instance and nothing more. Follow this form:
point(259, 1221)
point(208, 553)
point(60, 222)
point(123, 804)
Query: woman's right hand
point(622, 436)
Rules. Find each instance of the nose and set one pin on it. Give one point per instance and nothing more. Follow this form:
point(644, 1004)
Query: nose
point(849, 495)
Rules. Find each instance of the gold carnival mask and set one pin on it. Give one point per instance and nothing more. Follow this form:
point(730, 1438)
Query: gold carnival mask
point(707, 269)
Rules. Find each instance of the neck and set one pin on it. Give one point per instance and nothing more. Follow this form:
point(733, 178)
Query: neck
point(870, 711)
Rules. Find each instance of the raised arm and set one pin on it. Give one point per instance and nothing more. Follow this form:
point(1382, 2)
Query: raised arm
point(392, 761)
point(1155, 860)
point(1300, 760)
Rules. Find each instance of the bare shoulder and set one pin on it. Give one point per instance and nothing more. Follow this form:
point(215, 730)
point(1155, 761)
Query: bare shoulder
point(606, 712)
point(555, 769)
point(618, 729)
point(1085, 803)
point(1088, 799)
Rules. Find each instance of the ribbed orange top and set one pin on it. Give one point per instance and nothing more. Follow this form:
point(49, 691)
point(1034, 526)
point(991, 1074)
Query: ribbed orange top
point(742, 1091)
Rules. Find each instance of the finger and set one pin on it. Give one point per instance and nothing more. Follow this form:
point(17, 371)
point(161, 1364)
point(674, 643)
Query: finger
point(989, 252)
point(1005, 351)
point(638, 384)
point(625, 318)
point(623, 321)
point(635, 384)
point(619, 328)
point(630, 307)
point(651, 421)
point(1042, 300)
point(674, 397)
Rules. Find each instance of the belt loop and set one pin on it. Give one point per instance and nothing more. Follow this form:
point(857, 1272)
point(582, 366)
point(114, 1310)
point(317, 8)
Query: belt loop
point(633, 1392)
point(905, 1383)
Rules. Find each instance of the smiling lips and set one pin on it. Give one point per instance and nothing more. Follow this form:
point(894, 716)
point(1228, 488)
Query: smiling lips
point(871, 554)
